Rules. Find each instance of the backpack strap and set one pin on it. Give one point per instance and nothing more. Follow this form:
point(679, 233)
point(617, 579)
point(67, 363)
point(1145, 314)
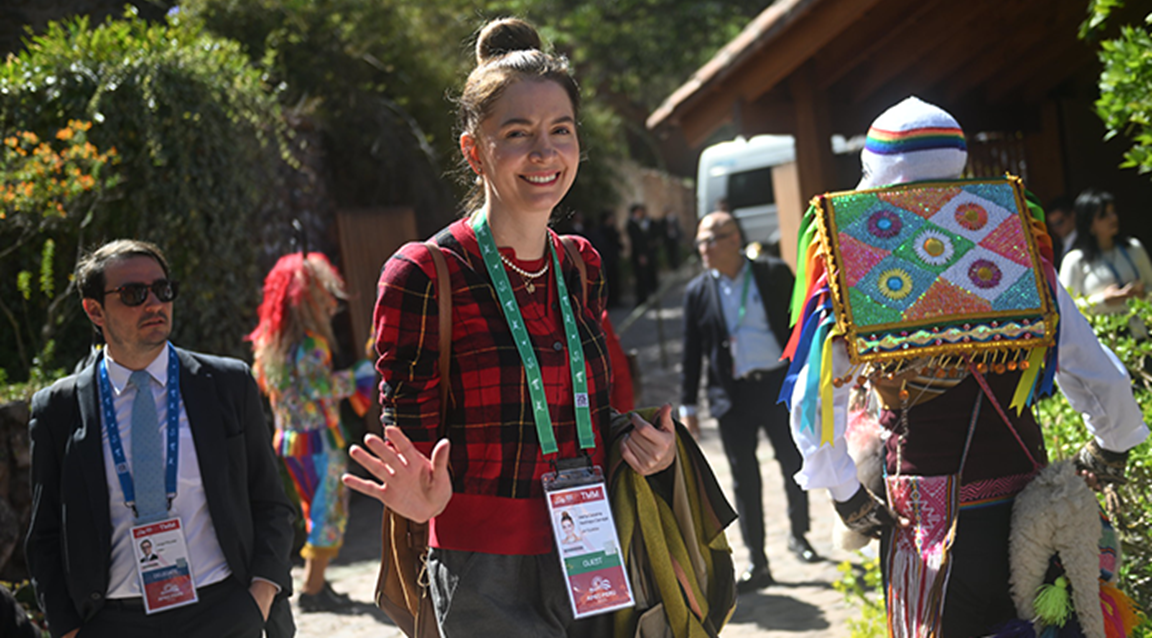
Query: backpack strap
point(444, 302)
point(574, 255)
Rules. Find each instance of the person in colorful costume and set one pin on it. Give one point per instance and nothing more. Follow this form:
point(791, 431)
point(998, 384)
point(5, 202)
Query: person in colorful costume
point(493, 568)
point(293, 346)
point(953, 456)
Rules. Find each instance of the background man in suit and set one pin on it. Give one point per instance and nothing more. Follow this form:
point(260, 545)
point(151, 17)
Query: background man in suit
point(736, 315)
point(227, 490)
point(643, 250)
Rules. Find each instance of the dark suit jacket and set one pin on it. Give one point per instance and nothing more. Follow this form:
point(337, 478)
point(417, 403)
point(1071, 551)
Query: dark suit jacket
point(706, 331)
point(640, 239)
point(69, 544)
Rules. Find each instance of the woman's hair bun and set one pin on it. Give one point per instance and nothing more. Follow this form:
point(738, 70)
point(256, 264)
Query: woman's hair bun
point(503, 36)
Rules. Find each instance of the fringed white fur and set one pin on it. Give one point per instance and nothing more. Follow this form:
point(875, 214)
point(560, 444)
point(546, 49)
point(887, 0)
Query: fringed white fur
point(865, 439)
point(1057, 512)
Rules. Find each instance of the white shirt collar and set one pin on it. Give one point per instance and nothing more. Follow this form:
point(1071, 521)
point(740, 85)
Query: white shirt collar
point(743, 268)
point(118, 374)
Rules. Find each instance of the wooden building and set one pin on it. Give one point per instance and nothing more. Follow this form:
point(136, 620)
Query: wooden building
point(1013, 72)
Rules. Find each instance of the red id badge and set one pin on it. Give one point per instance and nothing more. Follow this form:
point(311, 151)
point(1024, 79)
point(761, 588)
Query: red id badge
point(586, 541)
point(162, 564)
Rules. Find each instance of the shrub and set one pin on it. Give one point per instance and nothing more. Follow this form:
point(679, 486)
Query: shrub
point(1130, 506)
point(199, 140)
point(372, 76)
point(44, 182)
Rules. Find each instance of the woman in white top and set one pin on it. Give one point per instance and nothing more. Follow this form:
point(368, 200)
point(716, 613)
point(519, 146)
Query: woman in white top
point(1105, 266)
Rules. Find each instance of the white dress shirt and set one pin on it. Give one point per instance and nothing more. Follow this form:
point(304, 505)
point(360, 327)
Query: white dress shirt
point(752, 342)
point(754, 346)
point(190, 505)
point(1090, 375)
point(1116, 266)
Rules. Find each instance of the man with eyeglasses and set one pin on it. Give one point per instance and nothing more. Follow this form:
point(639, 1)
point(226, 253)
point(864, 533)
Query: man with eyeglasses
point(736, 316)
point(150, 440)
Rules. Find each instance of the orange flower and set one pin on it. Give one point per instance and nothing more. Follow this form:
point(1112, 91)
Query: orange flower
point(64, 134)
point(11, 141)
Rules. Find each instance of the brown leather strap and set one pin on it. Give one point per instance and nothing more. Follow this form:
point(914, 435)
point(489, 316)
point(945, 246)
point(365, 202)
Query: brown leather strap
point(444, 301)
point(574, 255)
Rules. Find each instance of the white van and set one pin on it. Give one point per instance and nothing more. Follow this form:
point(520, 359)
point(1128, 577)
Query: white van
point(740, 172)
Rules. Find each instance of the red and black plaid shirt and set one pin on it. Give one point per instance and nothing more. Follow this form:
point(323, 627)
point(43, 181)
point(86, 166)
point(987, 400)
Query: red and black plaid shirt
point(498, 503)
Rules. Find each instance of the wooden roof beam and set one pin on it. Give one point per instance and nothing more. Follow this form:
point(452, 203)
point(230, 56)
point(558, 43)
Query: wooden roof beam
point(951, 56)
point(906, 51)
point(760, 70)
point(1045, 67)
point(798, 44)
point(846, 53)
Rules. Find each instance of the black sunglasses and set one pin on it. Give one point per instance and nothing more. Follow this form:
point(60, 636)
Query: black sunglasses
point(136, 294)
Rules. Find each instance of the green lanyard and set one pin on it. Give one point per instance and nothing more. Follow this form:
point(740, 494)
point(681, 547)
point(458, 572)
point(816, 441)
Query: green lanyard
point(524, 344)
point(743, 298)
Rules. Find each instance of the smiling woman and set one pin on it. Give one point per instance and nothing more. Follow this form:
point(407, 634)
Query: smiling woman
point(529, 371)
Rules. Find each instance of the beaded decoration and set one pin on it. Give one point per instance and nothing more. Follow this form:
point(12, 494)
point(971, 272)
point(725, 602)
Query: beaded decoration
point(935, 274)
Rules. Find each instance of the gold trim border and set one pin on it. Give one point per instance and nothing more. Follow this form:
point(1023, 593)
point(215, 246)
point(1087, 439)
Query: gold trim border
point(829, 246)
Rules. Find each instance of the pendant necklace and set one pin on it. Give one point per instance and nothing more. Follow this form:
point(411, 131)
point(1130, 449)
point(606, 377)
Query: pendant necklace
point(528, 276)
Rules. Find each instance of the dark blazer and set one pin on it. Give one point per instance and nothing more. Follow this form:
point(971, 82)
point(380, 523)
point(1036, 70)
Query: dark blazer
point(706, 331)
point(69, 545)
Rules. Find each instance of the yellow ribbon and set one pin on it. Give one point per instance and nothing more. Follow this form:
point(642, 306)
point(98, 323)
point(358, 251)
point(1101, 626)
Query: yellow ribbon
point(827, 423)
point(1027, 380)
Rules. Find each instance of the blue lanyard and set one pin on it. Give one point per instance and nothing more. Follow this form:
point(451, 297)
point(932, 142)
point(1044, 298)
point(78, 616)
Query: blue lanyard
point(113, 430)
point(1115, 273)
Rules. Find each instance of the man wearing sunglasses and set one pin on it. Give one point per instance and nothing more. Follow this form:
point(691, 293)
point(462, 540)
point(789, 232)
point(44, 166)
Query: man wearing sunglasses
point(150, 439)
point(736, 316)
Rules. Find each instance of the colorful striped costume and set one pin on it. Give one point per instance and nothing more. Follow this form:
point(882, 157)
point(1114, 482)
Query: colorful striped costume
point(306, 407)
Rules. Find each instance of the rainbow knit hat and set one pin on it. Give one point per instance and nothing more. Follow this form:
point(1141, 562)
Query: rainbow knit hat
point(912, 141)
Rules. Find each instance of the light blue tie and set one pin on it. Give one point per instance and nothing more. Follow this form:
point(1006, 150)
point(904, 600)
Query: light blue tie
point(147, 452)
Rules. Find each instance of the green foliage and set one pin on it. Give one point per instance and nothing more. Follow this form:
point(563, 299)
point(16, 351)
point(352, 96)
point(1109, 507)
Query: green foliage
point(629, 55)
point(198, 139)
point(1129, 506)
point(45, 184)
point(25, 595)
point(372, 75)
point(861, 585)
point(1125, 103)
point(376, 76)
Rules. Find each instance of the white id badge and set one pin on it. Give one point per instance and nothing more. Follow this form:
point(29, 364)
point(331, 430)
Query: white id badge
point(162, 563)
point(586, 541)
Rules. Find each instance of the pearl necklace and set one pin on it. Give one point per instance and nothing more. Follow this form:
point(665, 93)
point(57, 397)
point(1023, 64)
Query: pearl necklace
point(528, 276)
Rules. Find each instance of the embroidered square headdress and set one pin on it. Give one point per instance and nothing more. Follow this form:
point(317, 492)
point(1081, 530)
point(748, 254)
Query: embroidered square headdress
point(958, 273)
